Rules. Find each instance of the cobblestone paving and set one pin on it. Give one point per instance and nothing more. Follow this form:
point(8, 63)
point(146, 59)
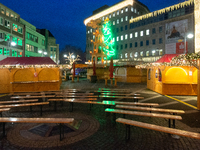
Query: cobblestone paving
point(98, 131)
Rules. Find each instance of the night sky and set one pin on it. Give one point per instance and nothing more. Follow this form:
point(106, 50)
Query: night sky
point(64, 18)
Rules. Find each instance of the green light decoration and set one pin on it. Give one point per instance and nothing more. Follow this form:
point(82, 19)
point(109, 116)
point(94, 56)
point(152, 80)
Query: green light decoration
point(107, 39)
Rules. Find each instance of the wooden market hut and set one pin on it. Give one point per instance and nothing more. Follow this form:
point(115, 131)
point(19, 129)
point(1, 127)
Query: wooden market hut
point(26, 74)
point(172, 80)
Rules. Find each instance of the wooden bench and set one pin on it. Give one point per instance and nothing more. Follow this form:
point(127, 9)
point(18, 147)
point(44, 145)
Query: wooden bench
point(28, 104)
point(18, 101)
point(122, 97)
point(156, 128)
point(87, 94)
point(30, 97)
point(61, 121)
point(173, 117)
point(111, 94)
point(110, 91)
point(78, 96)
point(137, 104)
point(151, 109)
point(69, 100)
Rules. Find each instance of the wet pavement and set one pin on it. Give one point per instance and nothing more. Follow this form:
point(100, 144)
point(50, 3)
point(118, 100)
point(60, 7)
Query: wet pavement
point(97, 129)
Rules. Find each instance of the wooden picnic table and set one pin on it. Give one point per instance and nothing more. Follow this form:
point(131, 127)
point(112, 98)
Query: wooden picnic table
point(61, 121)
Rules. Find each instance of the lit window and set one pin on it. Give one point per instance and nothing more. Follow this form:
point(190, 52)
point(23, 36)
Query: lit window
point(126, 36)
point(136, 54)
point(91, 30)
point(122, 11)
point(120, 55)
point(19, 42)
point(14, 39)
point(12, 16)
point(113, 14)
point(113, 40)
point(126, 9)
point(7, 13)
point(131, 17)
point(153, 52)
point(132, 9)
point(118, 12)
point(147, 53)
point(2, 10)
point(138, 12)
point(147, 32)
point(126, 18)
point(88, 31)
point(131, 55)
point(121, 37)
point(141, 53)
point(117, 21)
point(135, 11)
point(141, 33)
point(136, 34)
point(160, 52)
point(121, 19)
point(14, 27)
point(131, 35)
point(126, 55)
point(110, 16)
point(20, 30)
point(118, 38)
point(113, 22)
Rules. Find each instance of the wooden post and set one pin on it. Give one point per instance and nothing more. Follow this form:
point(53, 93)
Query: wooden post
point(198, 85)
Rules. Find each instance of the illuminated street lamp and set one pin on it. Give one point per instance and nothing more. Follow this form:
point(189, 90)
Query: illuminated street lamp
point(188, 36)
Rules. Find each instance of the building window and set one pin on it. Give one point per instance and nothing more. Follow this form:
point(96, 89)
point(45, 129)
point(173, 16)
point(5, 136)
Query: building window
point(113, 40)
point(154, 41)
point(126, 27)
point(160, 41)
point(2, 10)
point(1, 21)
point(113, 22)
point(126, 36)
point(153, 52)
point(136, 34)
point(141, 33)
point(117, 29)
point(118, 12)
point(135, 10)
point(131, 54)
point(121, 46)
point(7, 13)
point(121, 19)
point(126, 9)
point(122, 11)
point(136, 54)
point(141, 53)
point(147, 42)
point(121, 28)
point(117, 21)
point(160, 52)
point(102, 18)
point(160, 29)
point(131, 35)
point(130, 45)
point(121, 56)
point(110, 16)
point(135, 44)
point(1, 51)
point(132, 9)
point(90, 30)
point(121, 37)
point(113, 14)
point(147, 32)
point(6, 52)
point(153, 30)
point(14, 27)
point(147, 53)
point(118, 38)
point(125, 46)
point(126, 18)
point(20, 30)
point(141, 43)
point(7, 23)
point(19, 42)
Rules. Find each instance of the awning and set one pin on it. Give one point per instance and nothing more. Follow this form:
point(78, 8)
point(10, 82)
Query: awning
point(27, 61)
point(166, 58)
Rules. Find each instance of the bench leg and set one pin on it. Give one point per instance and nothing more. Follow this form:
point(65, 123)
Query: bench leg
point(60, 133)
point(4, 132)
point(169, 123)
point(41, 110)
point(54, 105)
point(128, 130)
point(173, 123)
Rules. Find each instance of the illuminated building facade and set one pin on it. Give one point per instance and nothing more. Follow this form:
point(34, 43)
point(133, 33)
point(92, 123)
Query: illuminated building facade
point(143, 36)
point(28, 41)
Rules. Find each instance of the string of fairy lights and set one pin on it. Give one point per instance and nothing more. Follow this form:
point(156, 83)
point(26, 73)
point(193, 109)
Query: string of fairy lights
point(189, 59)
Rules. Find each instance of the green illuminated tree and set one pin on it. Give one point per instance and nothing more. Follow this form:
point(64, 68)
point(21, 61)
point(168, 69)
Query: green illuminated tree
point(107, 39)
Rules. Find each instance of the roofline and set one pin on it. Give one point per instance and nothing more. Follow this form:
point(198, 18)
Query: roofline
point(109, 10)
